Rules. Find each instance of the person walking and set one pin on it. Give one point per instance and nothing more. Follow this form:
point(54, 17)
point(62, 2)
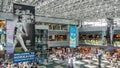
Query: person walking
point(100, 53)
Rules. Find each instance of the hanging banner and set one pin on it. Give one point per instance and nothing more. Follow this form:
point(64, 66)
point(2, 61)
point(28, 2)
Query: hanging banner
point(9, 36)
point(23, 56)
point(24, 20)
point(73, 40)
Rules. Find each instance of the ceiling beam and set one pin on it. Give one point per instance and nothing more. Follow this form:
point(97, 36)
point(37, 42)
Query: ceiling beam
point(43, 4)
point(63, 7)
point(53, 4)
point(5, 2)
point(64, 4)
point(1, 5)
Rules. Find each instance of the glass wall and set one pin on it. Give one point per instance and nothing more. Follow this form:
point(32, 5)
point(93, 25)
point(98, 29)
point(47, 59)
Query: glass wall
point(64, 27)
point(56, 27)
point(117, 40)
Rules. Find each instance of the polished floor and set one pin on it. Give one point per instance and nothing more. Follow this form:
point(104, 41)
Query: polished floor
point(85, 63)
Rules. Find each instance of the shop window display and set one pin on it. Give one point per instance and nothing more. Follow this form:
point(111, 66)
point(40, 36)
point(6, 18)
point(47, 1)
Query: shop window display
point(2, 33)
point(94, 39)
point(61, 37)
point(116, 40)
point(41, 36)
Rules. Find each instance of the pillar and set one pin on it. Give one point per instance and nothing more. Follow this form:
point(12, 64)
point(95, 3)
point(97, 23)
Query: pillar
point(110, 31)
point(103, 37)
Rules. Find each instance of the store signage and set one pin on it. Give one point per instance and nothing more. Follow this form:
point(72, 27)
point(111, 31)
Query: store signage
point(73, 40)
point(23, 56)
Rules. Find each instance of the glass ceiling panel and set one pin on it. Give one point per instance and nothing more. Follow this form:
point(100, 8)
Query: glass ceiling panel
point(70, 9)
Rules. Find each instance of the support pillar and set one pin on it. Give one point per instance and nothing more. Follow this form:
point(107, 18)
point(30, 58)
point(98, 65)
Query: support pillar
point(110, 31)
point(103, 38)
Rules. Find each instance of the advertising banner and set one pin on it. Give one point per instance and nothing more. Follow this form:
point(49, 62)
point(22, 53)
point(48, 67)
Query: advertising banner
point(72, 30)
point(24, 20)
point(23, 56)
point(9, 36)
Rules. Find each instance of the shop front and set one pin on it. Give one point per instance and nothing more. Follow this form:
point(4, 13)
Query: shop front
point(2, 38)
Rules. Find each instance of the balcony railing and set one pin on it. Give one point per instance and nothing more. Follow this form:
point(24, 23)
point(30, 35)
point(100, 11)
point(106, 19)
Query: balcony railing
point(57, 43)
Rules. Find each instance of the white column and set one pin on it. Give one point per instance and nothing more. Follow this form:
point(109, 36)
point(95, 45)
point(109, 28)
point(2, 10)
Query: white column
point(77, 33)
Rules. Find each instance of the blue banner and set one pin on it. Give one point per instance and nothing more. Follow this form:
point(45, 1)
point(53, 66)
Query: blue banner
point(72, 36)
point(23, 56)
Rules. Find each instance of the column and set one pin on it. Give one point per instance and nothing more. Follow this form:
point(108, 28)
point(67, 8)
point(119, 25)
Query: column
point(77, 32)
point(103, 37)
point(77, 37)
point(110, 30)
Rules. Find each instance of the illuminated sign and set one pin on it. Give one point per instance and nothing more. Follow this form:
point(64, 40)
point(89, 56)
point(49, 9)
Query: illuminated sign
point(72, 36)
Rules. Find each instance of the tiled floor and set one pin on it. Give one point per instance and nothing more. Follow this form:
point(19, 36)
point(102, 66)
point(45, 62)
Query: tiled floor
point(85, 63)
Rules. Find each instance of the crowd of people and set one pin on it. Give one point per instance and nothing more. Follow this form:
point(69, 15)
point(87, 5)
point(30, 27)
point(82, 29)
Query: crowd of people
point(98, 53)
point(111, 56)
point(8, 64)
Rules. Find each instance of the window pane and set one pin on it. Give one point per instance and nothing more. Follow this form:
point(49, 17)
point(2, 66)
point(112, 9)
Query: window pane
point(56, 27)
point(64, 27)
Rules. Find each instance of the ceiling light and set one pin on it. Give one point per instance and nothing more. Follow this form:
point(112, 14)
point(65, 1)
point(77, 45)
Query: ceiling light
point(23, 0)
point(15, 0)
